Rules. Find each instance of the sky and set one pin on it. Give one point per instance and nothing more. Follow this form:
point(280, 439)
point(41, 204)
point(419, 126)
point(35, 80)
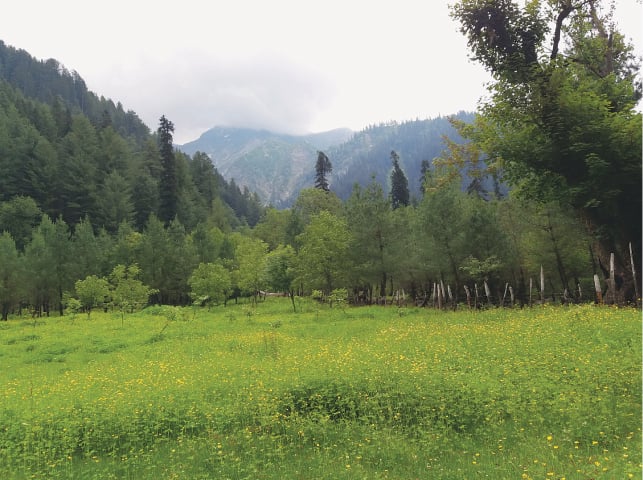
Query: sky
point(291, 66)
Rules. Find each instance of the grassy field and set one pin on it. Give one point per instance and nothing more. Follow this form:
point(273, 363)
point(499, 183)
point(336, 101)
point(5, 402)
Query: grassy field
point(359, 393)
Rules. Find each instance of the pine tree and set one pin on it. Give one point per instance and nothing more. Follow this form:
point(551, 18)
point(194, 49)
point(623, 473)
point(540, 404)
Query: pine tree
point(425, 172)
point(399, 184)
point(322, 169)
point(168, 185)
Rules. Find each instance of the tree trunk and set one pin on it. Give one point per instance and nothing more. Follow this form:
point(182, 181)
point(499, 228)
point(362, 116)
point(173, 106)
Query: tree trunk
point(602, 250)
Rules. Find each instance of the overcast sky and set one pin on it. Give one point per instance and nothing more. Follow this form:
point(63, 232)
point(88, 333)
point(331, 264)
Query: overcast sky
point(293, 66)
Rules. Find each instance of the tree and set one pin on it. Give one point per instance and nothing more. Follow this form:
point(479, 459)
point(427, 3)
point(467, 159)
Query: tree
point(115, 203)
point(440, 228)
point(206, 241)
point(273, 227)
point(561, 122)
point(322, 261)
point(75, 181)
point(49, 265)
point(368, 212)
point(210, 283)
point(87, 254)
point(205, 177)
point(9, 274)
point(250, 254)
point(92, 292)
point(312, 201)
point(280, 274)
point(19, 216)
point(127, 291)
point(168, 185)
point(323, 168)
point(399, 184)
point(425, 175)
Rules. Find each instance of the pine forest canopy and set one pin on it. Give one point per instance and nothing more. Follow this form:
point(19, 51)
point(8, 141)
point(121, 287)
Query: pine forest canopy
point(78, 155)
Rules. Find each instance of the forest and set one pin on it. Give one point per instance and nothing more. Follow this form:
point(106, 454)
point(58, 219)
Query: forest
point(92, 201)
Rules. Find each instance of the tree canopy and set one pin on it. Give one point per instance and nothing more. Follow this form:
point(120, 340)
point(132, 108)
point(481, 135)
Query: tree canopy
point(561, 122)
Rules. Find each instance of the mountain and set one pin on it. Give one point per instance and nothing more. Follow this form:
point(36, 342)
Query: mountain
point(278, 166)
point(368, 153)
point(275, 166)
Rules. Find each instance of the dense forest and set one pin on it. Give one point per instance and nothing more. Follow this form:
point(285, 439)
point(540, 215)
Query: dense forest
point(76, 155)
point(90, 200)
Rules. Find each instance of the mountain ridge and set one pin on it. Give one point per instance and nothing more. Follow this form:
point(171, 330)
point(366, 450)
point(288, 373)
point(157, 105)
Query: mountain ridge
point(277, 166)
point(271, 164)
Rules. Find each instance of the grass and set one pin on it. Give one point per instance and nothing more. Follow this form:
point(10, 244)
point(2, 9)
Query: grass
point(371, 392)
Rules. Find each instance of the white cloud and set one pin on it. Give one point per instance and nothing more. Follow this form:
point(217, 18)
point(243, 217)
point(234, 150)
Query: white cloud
point(286, 65)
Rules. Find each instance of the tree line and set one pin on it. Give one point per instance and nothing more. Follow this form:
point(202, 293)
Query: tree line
point(369, 246)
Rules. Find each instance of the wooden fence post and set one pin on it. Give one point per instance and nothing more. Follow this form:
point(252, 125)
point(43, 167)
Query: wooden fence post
point(504, 295)
point(468, 292)
point(636, 286)
point(433, 296)
point(597, 289)
point(475, 285)
point(542, 285)
point(444, 297)
point(487, 292)
point(612, 282)
point(531, 286)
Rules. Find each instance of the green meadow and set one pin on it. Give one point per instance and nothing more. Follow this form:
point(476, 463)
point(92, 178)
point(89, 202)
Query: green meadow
point(246, 392)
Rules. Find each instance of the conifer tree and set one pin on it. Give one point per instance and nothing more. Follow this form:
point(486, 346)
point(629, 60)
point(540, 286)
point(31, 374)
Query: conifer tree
point(323, 168)
point(399, 184)
point(425, 169)
point(168, 185)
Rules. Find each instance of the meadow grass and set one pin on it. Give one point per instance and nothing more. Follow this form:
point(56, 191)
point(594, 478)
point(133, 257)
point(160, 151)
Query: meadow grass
point(371, 392)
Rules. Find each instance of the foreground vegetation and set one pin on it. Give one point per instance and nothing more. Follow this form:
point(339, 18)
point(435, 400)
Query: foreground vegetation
point(371, 392)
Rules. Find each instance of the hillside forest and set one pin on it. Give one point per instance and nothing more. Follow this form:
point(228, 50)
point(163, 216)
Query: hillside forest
point(93, 205)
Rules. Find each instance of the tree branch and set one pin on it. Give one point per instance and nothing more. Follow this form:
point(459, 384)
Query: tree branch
point(562, 15)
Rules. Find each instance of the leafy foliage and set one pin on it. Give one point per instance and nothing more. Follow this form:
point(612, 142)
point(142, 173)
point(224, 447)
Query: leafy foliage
point(92, 292)
point(210, 284)
point(561, 126)
point(127, 292)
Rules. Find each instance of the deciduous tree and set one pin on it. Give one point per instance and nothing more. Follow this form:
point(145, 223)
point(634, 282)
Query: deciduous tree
point(210, 284)
point(322, 261)
point(561, 121)
point(128, 293)
point(92, 292)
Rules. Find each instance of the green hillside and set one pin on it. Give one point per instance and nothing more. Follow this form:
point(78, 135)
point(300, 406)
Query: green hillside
point(78, 155)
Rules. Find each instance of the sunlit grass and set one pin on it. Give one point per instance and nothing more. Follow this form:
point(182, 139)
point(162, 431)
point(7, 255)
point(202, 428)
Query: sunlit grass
point(243, 392)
